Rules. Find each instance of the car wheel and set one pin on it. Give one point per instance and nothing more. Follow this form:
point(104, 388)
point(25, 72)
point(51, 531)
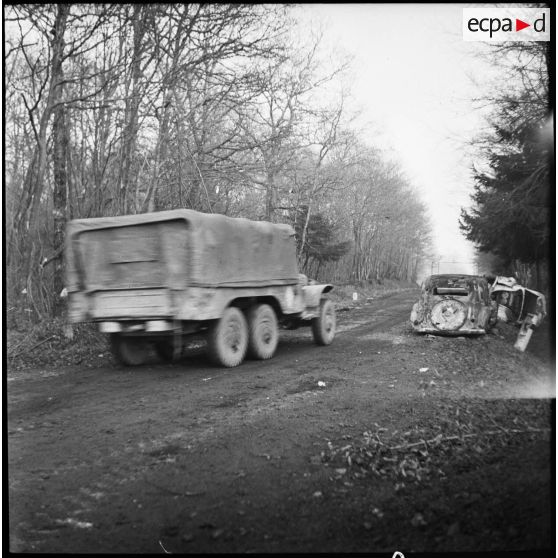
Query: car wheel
point(448, 315)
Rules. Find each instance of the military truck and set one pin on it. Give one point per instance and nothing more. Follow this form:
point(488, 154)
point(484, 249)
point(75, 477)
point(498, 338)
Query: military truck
point(154, 279)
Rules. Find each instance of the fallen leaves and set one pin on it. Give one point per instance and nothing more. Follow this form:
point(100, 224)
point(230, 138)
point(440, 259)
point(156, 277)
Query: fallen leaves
point(453, 529)
point(418, 520)
point(419, 454)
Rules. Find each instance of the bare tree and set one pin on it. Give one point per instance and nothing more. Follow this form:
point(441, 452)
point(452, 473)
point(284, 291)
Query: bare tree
point(113, 109)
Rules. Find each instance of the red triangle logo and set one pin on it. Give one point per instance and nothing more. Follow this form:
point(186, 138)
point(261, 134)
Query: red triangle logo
point(519, 25)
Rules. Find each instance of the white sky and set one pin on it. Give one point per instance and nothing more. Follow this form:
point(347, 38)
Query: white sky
point(414, 80)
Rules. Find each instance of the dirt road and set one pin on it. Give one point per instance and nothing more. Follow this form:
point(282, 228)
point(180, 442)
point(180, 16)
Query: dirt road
point(193, 458)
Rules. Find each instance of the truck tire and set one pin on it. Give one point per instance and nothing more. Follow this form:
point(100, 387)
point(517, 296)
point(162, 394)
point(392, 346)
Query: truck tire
point(227, 340)
point(263, 332)
point(129, 351)
point(323, 327)
point(165, 349)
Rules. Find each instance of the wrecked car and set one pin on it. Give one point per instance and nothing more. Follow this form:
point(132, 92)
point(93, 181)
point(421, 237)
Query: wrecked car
point(516, 302)
point(518, 305)
point(454, 305)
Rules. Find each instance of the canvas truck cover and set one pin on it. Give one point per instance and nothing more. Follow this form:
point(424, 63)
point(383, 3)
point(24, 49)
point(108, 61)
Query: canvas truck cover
point(175, 249)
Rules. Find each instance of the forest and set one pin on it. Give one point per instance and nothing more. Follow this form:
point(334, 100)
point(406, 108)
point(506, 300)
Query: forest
point(114, 109)
point(237, 109)
point(511, 215)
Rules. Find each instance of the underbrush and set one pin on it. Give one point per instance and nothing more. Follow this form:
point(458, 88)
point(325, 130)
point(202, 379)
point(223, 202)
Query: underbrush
point(469, 429)
point(54, 343)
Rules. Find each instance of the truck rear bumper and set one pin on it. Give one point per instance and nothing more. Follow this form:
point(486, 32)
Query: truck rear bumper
point(151, 326)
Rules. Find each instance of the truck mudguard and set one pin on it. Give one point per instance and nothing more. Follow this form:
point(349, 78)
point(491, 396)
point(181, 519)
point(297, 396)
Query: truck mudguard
point(313, 294)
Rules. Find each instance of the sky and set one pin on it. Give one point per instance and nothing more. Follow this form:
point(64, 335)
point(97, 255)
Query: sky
point(414, 79)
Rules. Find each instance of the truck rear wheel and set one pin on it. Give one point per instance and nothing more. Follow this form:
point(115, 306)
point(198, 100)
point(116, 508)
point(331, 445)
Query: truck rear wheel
point(227, 340)
point(165, 349)
point(130, 351)
point(263, 332)
point(323, 327)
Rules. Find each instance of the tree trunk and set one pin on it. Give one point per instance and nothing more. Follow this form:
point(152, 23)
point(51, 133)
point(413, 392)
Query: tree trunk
point(35, 177)
point(305, 230)
point(132, 109)
point(271, 198)
point(60, 156)
point(60, 196)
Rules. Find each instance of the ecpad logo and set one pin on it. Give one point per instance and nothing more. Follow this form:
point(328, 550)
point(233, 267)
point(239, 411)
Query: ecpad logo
point(506, 24)
point(493, 25)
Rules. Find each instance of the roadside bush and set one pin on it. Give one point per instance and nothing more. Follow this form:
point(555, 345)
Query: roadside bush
point(53, 342)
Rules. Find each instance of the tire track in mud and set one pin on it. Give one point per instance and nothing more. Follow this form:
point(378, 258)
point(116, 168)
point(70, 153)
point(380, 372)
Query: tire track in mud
point(201, 392)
